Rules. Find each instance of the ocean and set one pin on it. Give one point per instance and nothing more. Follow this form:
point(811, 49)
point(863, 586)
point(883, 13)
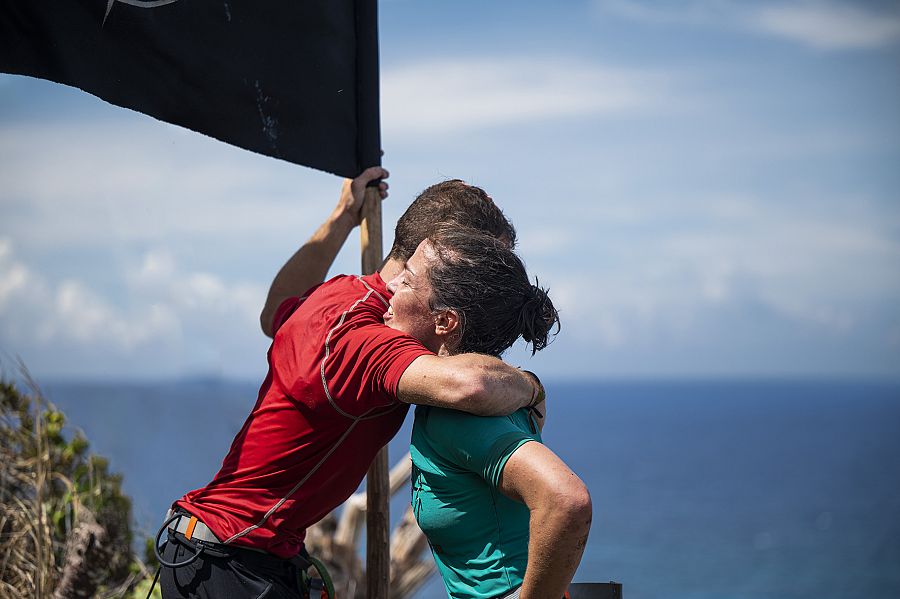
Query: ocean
point(721, 489)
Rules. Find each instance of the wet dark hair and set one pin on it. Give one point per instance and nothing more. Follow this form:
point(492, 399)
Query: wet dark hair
point(481, 279)
point(454, 203)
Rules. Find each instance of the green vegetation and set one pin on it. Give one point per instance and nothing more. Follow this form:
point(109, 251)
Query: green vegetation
point(65, 525)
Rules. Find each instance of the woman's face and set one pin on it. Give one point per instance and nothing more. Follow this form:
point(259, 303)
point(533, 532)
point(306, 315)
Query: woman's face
point(410, 310)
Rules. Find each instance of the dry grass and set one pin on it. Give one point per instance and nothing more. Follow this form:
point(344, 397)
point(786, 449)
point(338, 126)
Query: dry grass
point(27, 567)
point(48, 484)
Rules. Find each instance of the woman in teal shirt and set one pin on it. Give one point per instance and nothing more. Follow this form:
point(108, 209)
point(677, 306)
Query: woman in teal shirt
point(478, 535)
point(504, 516)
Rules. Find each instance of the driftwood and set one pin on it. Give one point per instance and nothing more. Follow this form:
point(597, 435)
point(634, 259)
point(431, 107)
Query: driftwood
point(86, 547)
point(335, 541)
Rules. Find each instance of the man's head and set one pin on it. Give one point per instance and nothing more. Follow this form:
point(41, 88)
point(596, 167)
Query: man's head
point(453, 203)
point(465, 291)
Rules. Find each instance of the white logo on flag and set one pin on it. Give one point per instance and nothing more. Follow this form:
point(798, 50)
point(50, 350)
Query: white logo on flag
point(138, 3)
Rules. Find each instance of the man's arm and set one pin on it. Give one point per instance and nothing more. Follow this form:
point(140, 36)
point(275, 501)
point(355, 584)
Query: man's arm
point(309, 265)
point(560, 507)
point(474, 383)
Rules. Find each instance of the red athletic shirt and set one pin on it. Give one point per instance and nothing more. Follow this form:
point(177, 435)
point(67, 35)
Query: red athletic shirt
point(328, 404)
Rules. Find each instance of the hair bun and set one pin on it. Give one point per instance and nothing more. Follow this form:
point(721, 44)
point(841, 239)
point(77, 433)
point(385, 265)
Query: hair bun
point(538, 317)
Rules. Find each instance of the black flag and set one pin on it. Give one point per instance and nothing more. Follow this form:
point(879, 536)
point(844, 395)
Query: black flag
point(296, 79)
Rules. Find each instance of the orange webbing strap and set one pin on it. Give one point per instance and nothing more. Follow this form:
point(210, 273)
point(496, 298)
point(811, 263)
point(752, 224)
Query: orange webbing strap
point(190, 529)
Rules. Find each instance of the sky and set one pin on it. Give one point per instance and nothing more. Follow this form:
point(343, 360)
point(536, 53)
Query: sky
point(708, 188)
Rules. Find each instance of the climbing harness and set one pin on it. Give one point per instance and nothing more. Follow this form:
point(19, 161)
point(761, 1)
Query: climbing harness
point(189, 529)
point(324, 584)
point(198, 536)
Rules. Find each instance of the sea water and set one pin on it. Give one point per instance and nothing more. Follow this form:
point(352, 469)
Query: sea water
point(701, 489)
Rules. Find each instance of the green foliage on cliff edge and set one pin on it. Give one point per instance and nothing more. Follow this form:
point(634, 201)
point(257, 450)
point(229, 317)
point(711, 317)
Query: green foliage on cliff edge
point(50, 484)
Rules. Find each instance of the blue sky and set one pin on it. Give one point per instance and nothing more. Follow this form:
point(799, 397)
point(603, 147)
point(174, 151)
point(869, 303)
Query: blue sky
point(708, 189)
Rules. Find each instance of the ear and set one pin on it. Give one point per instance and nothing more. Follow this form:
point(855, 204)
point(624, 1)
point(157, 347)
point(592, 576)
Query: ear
point(446, 323)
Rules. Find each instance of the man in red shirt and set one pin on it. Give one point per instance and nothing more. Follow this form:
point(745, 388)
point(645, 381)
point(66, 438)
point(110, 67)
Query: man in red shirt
point(338, 388)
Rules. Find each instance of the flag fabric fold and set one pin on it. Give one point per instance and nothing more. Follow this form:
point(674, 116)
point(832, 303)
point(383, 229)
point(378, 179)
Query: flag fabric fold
point(294, 80)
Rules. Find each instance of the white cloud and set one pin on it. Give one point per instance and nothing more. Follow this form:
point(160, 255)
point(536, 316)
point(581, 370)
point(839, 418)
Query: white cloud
point(829, 26)
point(823, 25)
point(660, 271)
point(85, 315)
point(39, 312)
point(447, 96)
point(13, 276)
point(157, 267)
point(167, 315)
point(195, 294)
point(134, 179)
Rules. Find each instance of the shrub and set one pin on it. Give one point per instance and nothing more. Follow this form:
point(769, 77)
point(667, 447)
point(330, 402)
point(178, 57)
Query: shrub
point(65, 525)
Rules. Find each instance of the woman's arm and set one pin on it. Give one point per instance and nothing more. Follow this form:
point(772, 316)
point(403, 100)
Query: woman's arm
point(560, 507)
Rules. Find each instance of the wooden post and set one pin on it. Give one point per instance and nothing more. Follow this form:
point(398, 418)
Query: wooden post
point(370, 232)
point(378, 557)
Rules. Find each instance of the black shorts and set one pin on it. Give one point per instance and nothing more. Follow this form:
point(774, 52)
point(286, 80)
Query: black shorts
point(227, 573)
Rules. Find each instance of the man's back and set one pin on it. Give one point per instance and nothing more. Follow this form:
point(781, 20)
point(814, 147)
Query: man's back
point(327, 405)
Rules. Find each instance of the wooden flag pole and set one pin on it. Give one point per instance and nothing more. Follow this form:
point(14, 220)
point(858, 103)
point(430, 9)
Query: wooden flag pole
point(370, 232)
point(378, 558)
